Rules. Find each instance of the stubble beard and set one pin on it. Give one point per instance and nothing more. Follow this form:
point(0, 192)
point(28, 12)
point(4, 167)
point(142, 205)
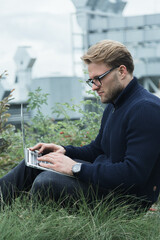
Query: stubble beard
point(112, 94)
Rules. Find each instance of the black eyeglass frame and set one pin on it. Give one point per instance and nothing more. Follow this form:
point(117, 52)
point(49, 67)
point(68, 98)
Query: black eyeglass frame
point(90, 81)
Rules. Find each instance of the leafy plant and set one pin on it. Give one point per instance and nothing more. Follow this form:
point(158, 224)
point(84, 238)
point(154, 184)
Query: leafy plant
point(45, 129)
point(40, 126)
point(66, 131)
point(10, 141)
point(5, 128)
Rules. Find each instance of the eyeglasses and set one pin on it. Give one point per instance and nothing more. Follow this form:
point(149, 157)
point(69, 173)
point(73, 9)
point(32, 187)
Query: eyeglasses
point(97, 80)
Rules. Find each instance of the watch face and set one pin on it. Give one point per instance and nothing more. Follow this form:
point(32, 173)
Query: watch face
point(76, 168)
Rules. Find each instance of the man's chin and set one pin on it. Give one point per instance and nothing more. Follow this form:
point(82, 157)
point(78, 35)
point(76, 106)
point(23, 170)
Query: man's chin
point(103, 100)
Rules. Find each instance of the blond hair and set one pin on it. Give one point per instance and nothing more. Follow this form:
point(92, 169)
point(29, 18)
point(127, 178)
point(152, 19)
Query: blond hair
point(112, 53)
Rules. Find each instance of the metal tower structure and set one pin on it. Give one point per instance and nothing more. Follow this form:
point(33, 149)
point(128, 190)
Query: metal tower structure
point(86, 10)
point(141, 34)
point(24, 59)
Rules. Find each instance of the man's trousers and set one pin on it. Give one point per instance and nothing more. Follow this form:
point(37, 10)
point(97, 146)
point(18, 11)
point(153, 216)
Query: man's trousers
point(41, 184)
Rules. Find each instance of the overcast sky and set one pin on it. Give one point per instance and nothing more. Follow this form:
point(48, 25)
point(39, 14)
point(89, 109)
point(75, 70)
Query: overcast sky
point(45, 26)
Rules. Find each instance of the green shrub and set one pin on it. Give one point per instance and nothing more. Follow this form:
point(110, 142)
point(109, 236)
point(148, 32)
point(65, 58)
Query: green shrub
point(10, 140)
point(44, 128)
point(4, 127)
point(75, 132)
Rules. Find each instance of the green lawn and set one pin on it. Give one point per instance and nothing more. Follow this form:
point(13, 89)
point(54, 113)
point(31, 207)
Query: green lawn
point(23, 220)
point(101, 221)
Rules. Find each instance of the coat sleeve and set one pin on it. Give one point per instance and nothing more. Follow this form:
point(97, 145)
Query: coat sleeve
point(91, 151)
point(142, 152)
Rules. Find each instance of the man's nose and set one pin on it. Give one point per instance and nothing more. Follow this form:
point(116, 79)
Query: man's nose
point(94, 87)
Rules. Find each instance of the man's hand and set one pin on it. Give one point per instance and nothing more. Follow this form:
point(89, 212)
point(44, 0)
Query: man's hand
point(58, 162)
point(44, 148)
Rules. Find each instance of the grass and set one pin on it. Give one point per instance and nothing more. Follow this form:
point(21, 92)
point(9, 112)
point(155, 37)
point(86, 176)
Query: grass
point(101, 221)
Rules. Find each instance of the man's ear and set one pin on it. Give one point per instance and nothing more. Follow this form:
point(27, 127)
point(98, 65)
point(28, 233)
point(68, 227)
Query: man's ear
point(123, 71)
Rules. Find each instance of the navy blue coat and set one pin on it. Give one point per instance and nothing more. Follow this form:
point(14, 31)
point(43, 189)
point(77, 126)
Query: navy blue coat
point(126, 152)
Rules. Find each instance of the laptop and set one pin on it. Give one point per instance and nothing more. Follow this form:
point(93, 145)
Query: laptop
point(31, 156)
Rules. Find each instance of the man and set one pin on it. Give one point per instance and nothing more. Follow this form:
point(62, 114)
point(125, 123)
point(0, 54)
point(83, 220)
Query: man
point(124, 157)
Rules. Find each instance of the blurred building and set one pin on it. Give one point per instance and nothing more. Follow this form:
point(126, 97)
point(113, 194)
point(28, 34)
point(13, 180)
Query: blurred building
point(104, 19)
point(94, 20)
point(61, 89)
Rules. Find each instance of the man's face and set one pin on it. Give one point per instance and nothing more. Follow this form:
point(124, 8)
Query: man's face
point(111, 85)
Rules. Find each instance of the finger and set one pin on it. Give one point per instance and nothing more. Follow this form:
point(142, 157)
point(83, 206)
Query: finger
point(46, 159)
point(42, 148)
point(46, 165)
point(54, 154)
point(36, 147)
point(45, 148)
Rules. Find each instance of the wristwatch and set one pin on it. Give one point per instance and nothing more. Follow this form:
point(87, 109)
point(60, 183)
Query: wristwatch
point(76, 168)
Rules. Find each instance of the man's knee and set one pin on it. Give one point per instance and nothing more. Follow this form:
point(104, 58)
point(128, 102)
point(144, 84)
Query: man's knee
point(47, 185)
point(38, 184)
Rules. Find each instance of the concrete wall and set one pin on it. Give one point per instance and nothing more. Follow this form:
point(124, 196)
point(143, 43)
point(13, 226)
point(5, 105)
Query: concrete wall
point(61, 90)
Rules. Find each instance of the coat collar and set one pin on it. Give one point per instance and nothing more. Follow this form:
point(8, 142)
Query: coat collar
point(126, 93)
